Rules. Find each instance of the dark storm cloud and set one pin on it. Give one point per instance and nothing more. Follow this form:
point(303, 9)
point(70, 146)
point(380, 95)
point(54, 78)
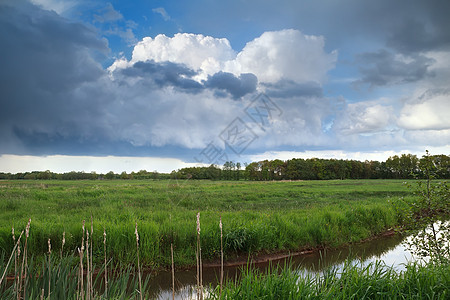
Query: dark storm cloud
point(55, 98)
point(45, 60)
point(43, 49)
point(343, 23)
point(384, 68)
point(179, 76)
point(289, 88)
point(235, 86)
point(427, 30)
point(164, 74)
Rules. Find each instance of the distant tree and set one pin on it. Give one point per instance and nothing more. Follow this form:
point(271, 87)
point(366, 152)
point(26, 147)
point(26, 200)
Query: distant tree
point(408, 164)
point(213, 172)
point(30, 176)
point(442, 164)
point(228, 168)
point(292, 169)
point(253, 171)
point(393, 165)
point(110, 175)
point(238, 169)
point(44, 175)
point(278, 169)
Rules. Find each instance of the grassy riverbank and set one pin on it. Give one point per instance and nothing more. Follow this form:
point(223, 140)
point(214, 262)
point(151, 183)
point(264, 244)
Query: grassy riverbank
point(375, 281)
point(257, 216)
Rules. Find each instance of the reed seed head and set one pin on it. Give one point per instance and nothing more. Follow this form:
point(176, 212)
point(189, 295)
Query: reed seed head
point(49, 247)
point(220, 223)
point(64, 238)
point(27, 229)
point(136, 233)
point(13, 236)
point(198, 223)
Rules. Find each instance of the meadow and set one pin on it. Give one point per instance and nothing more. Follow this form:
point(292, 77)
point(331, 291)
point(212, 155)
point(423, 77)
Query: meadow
point(258, 217)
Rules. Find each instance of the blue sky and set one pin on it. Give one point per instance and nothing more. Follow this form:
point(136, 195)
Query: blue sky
point(159, 85)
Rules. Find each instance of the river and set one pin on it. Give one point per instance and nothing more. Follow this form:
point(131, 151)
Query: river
point(389, 249)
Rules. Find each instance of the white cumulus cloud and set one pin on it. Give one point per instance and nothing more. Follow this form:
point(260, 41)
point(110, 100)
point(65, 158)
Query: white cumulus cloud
point(364, 117)
point(433, 113)
point(274, 56)
point(203, 53)
point(286, 54)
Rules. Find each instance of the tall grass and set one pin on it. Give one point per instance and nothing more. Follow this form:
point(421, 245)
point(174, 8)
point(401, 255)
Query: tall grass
point(374, 281)
point(65, 279)
point(258, 216)
point(9, 261)
point(63, 276)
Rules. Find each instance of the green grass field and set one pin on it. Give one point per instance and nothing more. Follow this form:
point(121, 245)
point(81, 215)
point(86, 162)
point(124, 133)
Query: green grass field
point(257, 216)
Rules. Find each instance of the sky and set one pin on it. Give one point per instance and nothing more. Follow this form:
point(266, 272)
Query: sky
point(90, 85)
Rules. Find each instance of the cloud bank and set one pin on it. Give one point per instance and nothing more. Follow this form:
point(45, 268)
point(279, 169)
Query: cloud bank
point(180, 92)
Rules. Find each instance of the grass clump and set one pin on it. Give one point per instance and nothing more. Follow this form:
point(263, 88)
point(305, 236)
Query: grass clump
point(374, 281)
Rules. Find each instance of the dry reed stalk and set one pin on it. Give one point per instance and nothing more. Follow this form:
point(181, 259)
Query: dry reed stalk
point(139, 266)
point(92, 266)
point(82, 237)
point(42, 294)
point(62, 243)
point(198, 271)
point(80, 278)
point(15, 259)
point(81, 253)
point(49, 268)
point(196, 256)
point(173, 273)
point(18, 275)
point(106, 267)
point(221, 257)
point(9, 261)
point(88, 277)
point(79, 281)
point(23, 270)
point(199, 261)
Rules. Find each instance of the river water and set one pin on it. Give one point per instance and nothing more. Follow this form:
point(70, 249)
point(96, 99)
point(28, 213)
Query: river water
point(389, 249)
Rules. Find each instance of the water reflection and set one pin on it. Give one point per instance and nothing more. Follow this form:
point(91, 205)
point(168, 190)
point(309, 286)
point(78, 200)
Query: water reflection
point(389, 249)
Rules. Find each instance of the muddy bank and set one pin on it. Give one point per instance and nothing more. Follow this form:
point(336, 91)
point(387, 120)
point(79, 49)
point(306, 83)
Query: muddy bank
point(258, 258)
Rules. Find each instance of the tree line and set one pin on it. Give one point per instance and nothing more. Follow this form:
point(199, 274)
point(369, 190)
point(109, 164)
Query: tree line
point(47, 175)
point(404, 166)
